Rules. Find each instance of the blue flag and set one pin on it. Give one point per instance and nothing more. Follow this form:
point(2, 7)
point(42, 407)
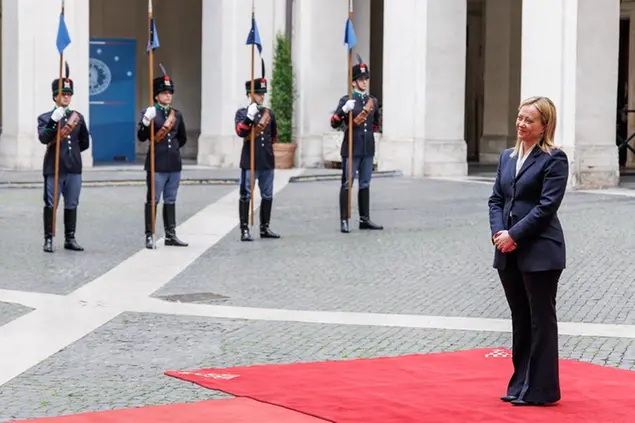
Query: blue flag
point(254, 36)
point(349, 34)
point(154, 37)
point(63, 37)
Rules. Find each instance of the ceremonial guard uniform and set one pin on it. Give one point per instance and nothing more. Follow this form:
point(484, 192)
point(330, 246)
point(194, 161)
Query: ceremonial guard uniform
point(170, 136)
point(366, 119)
point(74, 138)
point(264, 121)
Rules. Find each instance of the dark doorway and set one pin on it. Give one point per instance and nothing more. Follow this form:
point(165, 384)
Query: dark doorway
point(622, 90)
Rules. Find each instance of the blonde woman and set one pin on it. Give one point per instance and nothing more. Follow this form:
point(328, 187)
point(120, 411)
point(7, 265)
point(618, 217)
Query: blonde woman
point(530, 254)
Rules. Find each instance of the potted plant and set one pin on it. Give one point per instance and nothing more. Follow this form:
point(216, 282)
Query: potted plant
point(282, 97)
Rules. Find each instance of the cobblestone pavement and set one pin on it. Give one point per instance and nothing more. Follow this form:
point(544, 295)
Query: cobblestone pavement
point(110, 226)
point(433, 258)
point(121, 365)
point(9, 312)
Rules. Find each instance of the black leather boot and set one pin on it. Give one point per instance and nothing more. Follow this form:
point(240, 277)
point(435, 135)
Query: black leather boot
point(265, 218)
point(47, 215)
point(243, 213)
point(70, 224)
point(169, 224)
point(363, 199)
point(148, 226)
point(344, 211)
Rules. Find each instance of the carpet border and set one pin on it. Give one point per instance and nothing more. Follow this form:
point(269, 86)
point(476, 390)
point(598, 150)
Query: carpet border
point(253, 399)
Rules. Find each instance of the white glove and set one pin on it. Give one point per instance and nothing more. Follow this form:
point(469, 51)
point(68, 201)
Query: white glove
point(58, 114)
point(348, 106)
point(252, 110)
point(151, 113)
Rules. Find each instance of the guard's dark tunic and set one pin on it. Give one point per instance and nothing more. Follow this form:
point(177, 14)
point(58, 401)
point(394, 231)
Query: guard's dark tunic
point(167, 153)
point(263, 148)
point(71, 147)
point(363, 138)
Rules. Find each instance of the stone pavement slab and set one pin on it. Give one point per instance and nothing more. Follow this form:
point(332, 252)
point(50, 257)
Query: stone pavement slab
point(9, 312)
point(110, 227)
point(433, 258)
point(122, 363)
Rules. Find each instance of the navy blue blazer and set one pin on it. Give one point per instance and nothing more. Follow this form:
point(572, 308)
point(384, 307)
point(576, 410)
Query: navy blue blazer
point(363, 138)
point(70, 149)
point(526, 206)
point(167, 153)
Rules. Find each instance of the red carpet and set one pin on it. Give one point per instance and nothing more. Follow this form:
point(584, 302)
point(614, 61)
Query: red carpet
point(462, 386)
point(238, 410)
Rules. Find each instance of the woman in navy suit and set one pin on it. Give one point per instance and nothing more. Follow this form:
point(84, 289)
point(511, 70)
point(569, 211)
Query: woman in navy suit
point(530, 254)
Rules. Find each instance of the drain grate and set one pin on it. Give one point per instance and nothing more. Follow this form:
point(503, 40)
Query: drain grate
point(198, 297)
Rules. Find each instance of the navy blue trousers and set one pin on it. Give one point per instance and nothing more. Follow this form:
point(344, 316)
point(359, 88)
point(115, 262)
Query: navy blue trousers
point(70, 186)
point(166, 184)
point(362, 165)
point(265, 184)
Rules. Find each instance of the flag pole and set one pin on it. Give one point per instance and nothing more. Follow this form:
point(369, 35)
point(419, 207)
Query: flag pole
point(151, 101)
point(57, 143)
point(252, 133)
point(350, 119)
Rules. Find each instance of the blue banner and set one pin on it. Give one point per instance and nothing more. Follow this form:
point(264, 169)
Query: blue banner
point(113, 114)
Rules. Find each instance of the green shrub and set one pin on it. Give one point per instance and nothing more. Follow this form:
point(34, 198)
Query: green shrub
point(283, 89)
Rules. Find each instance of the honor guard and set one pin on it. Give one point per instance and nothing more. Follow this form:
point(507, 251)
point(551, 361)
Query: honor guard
point(260, 119)
point(169, 138)
point(74, 138)
point(366, 119)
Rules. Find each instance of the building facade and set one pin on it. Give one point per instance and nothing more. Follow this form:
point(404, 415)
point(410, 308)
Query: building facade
point(449, 74)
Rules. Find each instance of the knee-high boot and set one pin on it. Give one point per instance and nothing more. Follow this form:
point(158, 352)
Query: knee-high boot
point(70, 224)
point(265, 218)
point(363, 200)
point(148, 225)
point(243, 214)
point(169, 224)
point(47, 216)
point(344, 228)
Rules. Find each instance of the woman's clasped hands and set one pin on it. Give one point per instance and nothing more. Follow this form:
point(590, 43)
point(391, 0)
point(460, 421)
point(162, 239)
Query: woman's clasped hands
point(504, 242)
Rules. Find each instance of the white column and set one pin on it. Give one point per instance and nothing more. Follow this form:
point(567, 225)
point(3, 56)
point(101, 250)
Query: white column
point(570, 54)
point(424, 87)
point(502, 77)
point(320, 61)
point(29, 66)
point(226, 66)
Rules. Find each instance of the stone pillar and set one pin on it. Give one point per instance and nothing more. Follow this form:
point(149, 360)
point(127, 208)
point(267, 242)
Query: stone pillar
point(502, 77)
point(320, 61)
point(570, 54)
point(424, 87)
point(29, 66)
point(226, 66)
